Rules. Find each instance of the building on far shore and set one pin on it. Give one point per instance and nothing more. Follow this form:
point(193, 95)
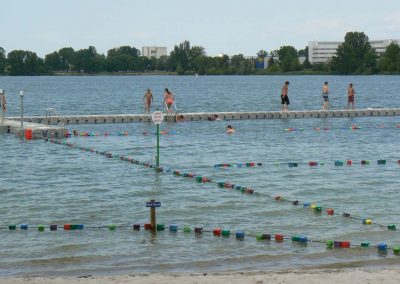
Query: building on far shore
point(323, 51)
point(154, 51)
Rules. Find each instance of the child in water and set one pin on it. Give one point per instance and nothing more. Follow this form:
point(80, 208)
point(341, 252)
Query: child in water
point(230, 130)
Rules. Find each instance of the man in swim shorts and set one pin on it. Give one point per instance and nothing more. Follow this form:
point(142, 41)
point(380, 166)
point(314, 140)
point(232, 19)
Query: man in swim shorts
point(148, 98)
point(284, 96)
point(350, 96)
point(325, 93)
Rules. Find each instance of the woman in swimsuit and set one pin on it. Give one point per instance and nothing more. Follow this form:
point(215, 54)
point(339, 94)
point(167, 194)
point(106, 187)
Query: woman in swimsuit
point(148, 98)
point(168, 99)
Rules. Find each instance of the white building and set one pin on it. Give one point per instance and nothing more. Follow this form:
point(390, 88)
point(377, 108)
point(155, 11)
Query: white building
point(323, 51)
point(154, 51)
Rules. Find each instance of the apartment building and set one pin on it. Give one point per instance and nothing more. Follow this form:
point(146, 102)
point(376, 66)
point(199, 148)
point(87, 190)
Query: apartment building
point(323, 51)
point(154, 51)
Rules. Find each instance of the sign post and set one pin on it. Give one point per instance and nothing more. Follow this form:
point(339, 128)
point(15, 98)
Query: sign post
point(157, 118)
point(153, 204)
point(2, 104)
point(21, 94)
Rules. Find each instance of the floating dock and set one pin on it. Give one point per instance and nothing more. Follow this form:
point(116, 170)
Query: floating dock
point(196, 116)
point(13, 126)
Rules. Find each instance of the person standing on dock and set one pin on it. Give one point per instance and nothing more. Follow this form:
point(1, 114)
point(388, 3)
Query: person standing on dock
point(325, 93)
point(3, 104)
point(169, 100)
point(148, 99)
point(350, 96)
point(284, 96)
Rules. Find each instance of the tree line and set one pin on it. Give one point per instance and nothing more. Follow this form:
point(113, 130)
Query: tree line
point(354, 56)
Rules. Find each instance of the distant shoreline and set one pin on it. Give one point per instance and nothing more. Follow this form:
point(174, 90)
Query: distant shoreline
point(165, 73)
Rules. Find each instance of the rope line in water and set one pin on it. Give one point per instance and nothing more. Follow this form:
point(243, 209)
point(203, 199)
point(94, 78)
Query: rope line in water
point(353, 127)
point(198, 178)
point(227, 185)
point(336, 163)
point(218, 232)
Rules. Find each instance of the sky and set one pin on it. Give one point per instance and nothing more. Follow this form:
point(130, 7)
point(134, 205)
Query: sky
point(220, 26)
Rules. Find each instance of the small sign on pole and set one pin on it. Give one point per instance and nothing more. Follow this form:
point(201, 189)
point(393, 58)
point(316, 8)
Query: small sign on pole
point(157, 117)
point(153, 204)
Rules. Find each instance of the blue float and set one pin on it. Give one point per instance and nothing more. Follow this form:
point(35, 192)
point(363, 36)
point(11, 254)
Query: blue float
point(173, 228)
point(239, 234)
point(382, 247)
point(339, 163)
point(302, 239)
point(23, 227)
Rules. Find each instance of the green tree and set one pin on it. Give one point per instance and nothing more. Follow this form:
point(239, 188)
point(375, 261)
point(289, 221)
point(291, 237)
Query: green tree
point(180, 56)
point(3, 60)
point(22, 62)
point(289, 61)
point(303, 52)
point(355, 54)
point(262, 53)
point(306, 64)
point(389, 62)
point(162, 63)
point(201, 64)
point(66, 54)
point(183, 58)
point(53, 61)
point(88, 60)
point(123, 50)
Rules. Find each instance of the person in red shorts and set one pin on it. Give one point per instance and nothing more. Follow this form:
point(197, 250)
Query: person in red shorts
point(169, 99)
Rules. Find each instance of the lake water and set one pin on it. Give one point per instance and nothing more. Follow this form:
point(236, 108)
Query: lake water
point(44, 183)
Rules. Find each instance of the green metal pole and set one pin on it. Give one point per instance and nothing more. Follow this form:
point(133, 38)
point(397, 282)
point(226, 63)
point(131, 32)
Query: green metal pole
point(158, 146)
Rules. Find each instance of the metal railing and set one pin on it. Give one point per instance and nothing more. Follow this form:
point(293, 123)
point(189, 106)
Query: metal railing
point(52, 112)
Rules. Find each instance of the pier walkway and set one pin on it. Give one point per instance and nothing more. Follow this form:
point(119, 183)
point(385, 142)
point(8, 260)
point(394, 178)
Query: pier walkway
point(13, 126)
point(195, 116)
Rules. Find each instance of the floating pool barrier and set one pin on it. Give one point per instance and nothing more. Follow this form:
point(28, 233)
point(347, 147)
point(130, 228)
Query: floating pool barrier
point(353, 127)
point(238, 165)
point(318, 209)
point(204, 179)
point(76, 133)
point(301, 239)
point(311, 164)
point(198, 178)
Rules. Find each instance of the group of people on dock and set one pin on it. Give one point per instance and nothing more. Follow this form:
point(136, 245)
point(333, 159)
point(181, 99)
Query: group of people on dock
point(325, 96)
point(169, 100)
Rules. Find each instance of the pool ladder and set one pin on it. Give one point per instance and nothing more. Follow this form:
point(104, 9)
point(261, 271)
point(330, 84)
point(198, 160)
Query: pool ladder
point(52, 112)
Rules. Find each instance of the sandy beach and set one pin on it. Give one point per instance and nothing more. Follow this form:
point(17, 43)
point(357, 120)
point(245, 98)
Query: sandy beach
point(292, 276)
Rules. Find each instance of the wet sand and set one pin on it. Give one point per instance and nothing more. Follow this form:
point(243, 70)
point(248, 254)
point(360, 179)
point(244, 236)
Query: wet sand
point(293, 276)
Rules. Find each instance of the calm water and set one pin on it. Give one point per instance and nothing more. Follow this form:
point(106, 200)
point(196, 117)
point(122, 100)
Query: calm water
point(42, 183)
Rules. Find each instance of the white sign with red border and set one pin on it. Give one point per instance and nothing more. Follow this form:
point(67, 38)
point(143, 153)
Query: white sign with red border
point(157, 117)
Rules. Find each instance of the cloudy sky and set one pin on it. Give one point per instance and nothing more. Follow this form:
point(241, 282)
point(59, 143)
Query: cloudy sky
point(227, 26)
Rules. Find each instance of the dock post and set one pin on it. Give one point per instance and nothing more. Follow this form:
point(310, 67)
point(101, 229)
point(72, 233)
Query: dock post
point(21, 94)
point(2, 110)
point(153, 204)
point(157, 118)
